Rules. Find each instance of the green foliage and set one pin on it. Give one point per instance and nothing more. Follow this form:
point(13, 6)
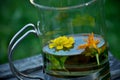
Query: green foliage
point(112, 31)
point(84, 20)
point(13, 16)
point(56, 62)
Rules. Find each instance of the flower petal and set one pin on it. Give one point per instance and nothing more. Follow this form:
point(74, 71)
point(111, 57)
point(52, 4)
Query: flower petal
point(68, 45)
point(83, 46)
point(59, 47)
point(71, 40)
point(51, 45)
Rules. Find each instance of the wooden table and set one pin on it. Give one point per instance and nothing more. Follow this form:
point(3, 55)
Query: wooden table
point(33, 66)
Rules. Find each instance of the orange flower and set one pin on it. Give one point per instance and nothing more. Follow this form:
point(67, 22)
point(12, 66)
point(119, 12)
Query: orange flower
point(91, 46)
point(91, 43)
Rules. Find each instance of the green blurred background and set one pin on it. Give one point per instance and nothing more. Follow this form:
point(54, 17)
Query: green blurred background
point(14, 14)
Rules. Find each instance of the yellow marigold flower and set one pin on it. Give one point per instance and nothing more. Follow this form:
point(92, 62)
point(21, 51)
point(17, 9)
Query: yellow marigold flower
point(61, 42)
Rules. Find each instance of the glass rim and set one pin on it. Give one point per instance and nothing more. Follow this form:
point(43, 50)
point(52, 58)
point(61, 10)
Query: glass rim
point(61, 8)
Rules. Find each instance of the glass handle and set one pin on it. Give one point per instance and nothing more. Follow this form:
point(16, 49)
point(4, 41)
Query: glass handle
point(12, 45)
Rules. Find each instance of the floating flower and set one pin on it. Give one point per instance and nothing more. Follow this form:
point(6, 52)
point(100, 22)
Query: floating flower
point(62, 42)
point(91, 47)
point(91, 43)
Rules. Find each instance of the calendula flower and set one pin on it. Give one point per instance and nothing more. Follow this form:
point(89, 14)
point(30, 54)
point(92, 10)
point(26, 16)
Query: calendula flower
point(91, 47)
point(91, 43)
point(62, 42)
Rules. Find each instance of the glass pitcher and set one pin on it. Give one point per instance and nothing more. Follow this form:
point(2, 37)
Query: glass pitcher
point(71, 33)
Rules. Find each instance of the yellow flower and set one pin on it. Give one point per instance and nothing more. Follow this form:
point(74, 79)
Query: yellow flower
point(61, 42)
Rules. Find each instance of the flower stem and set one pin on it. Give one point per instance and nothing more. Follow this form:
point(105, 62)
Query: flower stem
point(97, 58)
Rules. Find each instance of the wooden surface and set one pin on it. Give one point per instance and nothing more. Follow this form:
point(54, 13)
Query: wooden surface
point(33, 66)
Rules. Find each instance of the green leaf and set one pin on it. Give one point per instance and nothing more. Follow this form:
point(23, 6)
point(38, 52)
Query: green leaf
point(57, 62)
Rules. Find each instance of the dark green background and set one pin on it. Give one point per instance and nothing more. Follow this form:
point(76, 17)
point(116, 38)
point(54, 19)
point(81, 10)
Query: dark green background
point(14, 14)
